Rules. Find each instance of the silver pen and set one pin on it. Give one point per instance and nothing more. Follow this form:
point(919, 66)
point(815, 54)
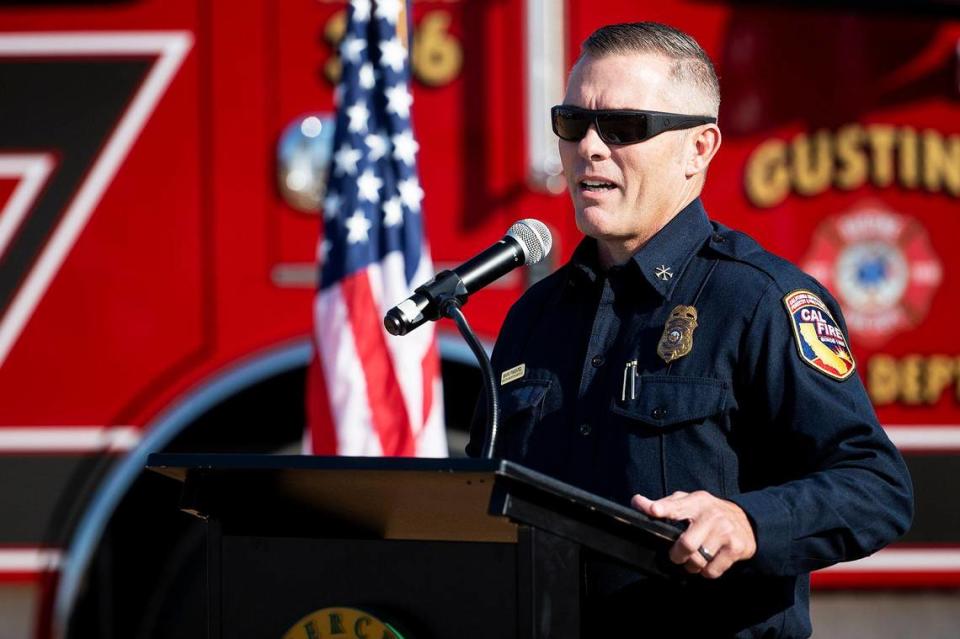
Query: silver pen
point(629, 371)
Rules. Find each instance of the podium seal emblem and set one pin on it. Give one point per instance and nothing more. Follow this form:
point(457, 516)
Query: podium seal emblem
point(349, 623)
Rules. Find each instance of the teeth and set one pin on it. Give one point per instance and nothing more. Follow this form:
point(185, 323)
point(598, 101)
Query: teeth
point(590, 184)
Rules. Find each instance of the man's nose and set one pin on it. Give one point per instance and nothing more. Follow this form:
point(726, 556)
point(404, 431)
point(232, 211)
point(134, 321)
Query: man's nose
point(591, 147)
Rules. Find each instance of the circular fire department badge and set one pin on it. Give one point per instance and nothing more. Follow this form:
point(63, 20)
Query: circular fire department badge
point(349, 623)
point(881, 267)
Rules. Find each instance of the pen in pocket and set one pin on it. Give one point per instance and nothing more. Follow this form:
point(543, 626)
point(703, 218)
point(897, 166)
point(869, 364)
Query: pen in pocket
point(629, 379)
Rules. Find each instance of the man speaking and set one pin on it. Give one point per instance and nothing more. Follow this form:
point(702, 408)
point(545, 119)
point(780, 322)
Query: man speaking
point(675, 365)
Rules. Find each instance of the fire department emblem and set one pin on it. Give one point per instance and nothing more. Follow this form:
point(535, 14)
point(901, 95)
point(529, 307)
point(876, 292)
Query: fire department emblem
point(341, 622)
point(881, 267)
point(820, 341)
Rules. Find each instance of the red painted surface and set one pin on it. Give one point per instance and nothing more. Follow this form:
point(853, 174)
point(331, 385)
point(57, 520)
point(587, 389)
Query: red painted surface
point(170, 281)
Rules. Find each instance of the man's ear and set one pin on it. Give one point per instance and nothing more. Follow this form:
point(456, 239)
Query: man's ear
point(703, 145)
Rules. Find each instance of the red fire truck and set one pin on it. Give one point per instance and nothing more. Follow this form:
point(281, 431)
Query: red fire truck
point(161, 168)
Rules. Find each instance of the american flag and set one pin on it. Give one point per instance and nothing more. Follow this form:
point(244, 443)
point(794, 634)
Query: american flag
point(370, 393)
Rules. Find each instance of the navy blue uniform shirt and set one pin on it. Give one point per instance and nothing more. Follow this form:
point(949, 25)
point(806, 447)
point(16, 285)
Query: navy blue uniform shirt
point(757, 412)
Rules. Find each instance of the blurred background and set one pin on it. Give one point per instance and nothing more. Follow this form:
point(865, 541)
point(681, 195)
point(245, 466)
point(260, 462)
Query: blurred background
point(162, 169)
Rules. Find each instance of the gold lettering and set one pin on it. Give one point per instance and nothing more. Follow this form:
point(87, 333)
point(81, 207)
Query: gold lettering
point(909, 160)
point(940, 372)
point(941, 162)
point(333, 33)
point(767, 180)
point(812, 163)
point(882, 382)
point(852, 171)
point(437, 56)
point(881, 138)
point(910, 383)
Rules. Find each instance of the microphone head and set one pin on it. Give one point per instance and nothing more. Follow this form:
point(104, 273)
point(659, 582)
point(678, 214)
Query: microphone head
point(534, 238)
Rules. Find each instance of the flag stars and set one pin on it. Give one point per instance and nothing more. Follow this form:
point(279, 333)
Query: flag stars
point(361, 10)
point(399, 100)
point(345, 160)
point(359, 114)
point(358, 228)
point(389, 10)
point(368, 186)
point(377, 143)
point(331, 206)
point(405, 147)
point(392, 212)
point(411, 194)
point(393, 54)
point(352, 48)
point(366, 76)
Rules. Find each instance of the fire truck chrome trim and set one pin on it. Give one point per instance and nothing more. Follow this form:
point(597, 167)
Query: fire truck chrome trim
point(924, 437)
point(67, 439)
point(29, 560)
point(903, 559)
point(546, 63)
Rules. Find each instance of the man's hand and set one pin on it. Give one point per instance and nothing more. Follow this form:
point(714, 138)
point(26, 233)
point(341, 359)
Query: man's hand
point(719, 527)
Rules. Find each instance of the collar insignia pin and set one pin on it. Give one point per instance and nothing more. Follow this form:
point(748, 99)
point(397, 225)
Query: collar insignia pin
point(677, 338)
point(664, 272)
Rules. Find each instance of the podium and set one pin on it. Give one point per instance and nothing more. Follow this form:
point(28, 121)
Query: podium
point(430, 548)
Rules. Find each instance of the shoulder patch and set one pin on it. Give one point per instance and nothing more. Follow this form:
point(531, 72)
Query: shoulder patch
point(819, 339)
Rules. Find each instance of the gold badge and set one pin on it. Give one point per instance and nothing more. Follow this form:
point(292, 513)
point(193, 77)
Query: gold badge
point(677, 338)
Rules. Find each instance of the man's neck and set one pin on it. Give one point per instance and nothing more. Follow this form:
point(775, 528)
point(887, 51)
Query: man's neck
point(612, 253)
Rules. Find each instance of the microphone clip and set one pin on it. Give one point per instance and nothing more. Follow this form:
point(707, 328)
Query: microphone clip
point(428, 303)
point(444, 289)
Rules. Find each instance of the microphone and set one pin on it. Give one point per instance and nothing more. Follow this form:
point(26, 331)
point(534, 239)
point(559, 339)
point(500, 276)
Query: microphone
point(526, 242)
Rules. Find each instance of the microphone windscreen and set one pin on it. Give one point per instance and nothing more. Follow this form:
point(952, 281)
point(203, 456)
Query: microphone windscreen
point(534, 237)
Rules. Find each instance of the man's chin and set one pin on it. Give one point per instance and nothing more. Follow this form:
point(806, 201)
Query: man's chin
point(595, 222)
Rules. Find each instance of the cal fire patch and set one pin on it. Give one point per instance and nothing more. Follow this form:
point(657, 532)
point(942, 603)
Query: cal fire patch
point(819, 339)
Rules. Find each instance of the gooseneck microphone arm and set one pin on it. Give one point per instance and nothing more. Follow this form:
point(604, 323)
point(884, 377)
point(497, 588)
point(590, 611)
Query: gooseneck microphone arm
point(451, 309)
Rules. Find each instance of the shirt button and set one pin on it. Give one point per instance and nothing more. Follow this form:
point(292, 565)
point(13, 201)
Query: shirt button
point(597, 361)
point(658, 413)
point(585, 429)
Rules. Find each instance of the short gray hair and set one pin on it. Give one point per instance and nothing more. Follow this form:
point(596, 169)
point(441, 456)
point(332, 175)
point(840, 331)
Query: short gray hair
point(691, 64)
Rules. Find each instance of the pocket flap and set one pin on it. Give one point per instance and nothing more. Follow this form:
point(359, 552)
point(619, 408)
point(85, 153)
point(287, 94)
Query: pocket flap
point(521, 395)
point(667, 400)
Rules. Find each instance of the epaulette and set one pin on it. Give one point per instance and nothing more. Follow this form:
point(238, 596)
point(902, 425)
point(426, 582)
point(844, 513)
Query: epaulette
point(740, 247)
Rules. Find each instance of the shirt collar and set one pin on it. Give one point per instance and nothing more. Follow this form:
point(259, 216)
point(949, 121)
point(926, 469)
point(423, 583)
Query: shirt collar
point(662, 260)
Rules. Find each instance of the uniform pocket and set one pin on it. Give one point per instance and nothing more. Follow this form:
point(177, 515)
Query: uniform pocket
point(521, 406)
point(663, 401)
point(676, 419)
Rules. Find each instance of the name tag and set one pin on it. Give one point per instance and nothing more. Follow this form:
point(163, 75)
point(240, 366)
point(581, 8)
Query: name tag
point(514, 373)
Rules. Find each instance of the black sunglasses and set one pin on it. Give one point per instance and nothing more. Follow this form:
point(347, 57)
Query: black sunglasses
point(619, 126)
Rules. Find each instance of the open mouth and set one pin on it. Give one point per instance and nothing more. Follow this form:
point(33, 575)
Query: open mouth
point(595, 186)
